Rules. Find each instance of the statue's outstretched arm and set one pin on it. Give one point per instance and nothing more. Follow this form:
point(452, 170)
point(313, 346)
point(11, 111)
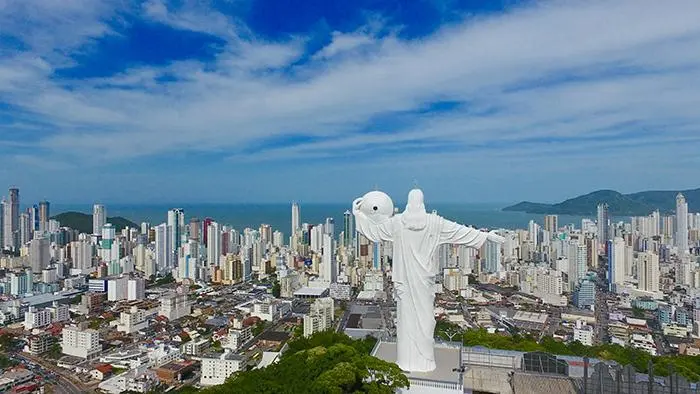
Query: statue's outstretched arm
point(458, 234)
point(374, 230)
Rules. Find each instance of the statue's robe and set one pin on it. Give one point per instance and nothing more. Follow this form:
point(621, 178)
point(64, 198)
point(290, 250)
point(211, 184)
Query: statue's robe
point(413, 274)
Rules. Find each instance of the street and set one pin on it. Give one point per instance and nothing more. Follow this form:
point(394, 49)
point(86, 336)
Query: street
point(62, 383)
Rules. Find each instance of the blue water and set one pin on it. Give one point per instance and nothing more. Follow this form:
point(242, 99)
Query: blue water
point(240, 216)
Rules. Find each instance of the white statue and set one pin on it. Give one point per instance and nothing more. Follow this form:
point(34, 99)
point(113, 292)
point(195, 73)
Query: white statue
point(416, 236)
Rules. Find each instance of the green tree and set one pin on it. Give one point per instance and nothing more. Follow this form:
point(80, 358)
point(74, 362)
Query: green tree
point(276, 289)
point(5, 362)
point(54, 352)
point(638, 312)
point(259, 327)
point(326, 362)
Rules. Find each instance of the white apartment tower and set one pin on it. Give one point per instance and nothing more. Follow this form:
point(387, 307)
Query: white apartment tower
point(176, 228)
point(213, 244)
point(618, 261)
point(81, 254)
point(648, 271)
point(99, 218)
point(681, 225)
point(329, 269)
point(296, 218)
point(163, 248)
point(11, 216)
point(603, 224)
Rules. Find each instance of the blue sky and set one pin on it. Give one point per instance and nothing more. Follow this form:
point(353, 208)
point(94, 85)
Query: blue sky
point(319, 101)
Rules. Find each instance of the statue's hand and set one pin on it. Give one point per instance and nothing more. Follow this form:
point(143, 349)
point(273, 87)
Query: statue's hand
point(494, 237)
point(356, 205)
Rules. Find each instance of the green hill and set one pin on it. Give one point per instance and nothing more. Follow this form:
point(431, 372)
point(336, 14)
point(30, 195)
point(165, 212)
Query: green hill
point(634, 204)
point(83, 222)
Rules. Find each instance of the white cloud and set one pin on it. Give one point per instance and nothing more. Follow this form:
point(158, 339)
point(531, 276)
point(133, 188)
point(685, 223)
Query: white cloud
point(636, 62)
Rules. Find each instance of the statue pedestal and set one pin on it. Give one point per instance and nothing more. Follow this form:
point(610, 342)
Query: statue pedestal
point(443, 380)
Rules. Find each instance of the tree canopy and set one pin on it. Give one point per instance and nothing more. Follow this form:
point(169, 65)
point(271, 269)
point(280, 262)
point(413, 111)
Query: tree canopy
point(327, 362)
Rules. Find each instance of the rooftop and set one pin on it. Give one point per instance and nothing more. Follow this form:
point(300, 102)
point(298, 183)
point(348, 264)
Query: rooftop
point(311, 292)
point(275, 336)
point(447, 358)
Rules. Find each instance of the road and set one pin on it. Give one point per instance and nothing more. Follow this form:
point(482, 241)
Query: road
point(601, 303)
point(63, 383)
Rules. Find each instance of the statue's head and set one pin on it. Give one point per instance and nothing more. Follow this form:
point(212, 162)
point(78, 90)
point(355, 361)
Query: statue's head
point(415, 200)
point(377, 205)
point(414, 216)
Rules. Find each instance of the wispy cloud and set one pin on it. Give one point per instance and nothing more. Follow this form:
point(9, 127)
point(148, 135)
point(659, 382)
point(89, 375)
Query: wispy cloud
point(574, 77)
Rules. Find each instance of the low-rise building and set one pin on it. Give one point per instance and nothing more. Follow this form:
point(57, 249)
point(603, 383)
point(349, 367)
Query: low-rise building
point(215, 370)
point(583, 333)
point(81, 342)
point(644, 342)
point(237, 337)
point(39, 344)
point(195, 347)
point(133, 320)
point(320, 316)
point(175, 306)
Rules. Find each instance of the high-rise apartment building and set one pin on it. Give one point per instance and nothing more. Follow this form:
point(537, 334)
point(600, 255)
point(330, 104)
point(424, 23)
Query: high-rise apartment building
point(681, 225)
point(348, 229)
point(213, 244)
point(329, 227)
point(195, 229)
point(329, 269)
point(296, 218)
point(39, 254)
point(44, 215)
point(205, 225)
point(551, 224)
point(99, 218)
point(617, 262)
point(164, 256)
point(603, 225)
point(81, 254)
point(176, 227)
point(11, 217)
point(25, 228)
point(648, 271)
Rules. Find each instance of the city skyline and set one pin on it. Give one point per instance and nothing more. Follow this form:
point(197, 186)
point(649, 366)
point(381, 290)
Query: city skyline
point(543, 100)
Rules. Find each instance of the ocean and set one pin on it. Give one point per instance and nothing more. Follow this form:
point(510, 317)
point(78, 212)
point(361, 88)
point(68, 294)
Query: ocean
point(240, 216)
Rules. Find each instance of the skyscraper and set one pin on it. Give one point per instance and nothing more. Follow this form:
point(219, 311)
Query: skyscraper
point(44, 216)
point(11, 220)
point(205, 226)
point(213, 244)
point(551, 224)
point(681, 225)
point(176, 226)
point(329, 269)
point(296, 218)
point(2, 222)
point(348, 229)
point(603, 225)
point(195, 229)
point(25, 229)
point(34, 217)
point(99, 218)
point(329, 227)
point(163, 248)
point(648, 271)
point(617, 262)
